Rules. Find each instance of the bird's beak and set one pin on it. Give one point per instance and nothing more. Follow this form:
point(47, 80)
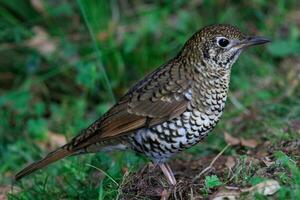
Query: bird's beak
point(251, 41)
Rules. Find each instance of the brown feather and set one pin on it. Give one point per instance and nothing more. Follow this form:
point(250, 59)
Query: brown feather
point(153, 100)
point(50, 158)
point(145, 104)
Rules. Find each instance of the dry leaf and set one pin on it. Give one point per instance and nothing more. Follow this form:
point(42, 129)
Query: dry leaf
point(103, 36)
point(38, 6)
point(267, 161)
point(230, 162)
point(230, 139)
point(5, 189)
point(268, 187)
point(239, 141)
point(42, 42)
point(265, 188)
point(248, 143)
point(3, 192)
point(296, 126)
point(226, 195)
point(54, 140)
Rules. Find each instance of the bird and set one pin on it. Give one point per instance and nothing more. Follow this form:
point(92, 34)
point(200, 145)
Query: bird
point(172, 108)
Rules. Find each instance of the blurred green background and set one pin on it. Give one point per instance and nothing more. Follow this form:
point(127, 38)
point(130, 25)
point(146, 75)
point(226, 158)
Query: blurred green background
point(63, 63)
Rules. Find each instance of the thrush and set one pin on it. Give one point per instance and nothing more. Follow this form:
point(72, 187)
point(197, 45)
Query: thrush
point(172, 108)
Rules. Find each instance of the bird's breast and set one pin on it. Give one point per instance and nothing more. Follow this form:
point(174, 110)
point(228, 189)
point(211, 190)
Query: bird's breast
point(204, 109)
point(164, 140)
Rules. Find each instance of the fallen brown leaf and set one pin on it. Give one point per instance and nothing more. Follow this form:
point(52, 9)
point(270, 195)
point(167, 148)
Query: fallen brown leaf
point(248, 143)
point(5, 189)
point(231, 140)
point(295, 124)
point(42, 42)
point(239, 141)
point(267, 161)
point(103, 36)
point(266, 188)
point(230, 162)
point(3, 192)
point(38, 6)
point(226, 195)
point(54, 140)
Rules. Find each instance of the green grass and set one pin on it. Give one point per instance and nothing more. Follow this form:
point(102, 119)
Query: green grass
point(101, 49)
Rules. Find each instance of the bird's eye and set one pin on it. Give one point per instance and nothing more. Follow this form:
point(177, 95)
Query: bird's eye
point(223, 42)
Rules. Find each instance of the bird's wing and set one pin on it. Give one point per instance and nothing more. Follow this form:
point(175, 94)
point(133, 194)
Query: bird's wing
point(157, 98)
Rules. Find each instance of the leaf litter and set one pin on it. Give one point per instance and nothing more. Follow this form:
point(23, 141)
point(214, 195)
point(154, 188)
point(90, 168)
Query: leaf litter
point(149, 182)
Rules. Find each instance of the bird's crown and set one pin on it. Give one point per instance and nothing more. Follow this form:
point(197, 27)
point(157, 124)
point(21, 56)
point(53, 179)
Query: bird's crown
point(225, 30)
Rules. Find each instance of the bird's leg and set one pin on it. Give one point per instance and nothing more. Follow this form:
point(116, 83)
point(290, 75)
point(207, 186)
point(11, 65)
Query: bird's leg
point(168, 173)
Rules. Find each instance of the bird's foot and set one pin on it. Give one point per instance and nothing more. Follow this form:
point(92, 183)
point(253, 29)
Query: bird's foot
point(168, 173)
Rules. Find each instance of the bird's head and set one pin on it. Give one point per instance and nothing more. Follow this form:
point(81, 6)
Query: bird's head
point(219, 46)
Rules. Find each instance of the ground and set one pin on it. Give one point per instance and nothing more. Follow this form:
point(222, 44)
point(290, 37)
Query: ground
point(228, 173)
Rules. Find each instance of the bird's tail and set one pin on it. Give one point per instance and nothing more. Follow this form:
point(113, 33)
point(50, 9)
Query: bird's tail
point(50, 158)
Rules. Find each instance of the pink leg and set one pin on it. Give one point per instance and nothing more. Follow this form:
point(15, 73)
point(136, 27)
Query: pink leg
point(168, 173)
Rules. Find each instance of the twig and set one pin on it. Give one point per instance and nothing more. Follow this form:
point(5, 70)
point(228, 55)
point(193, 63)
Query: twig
point(165, 194)
point(212, 163)
point(106, 174)
point(237, 104)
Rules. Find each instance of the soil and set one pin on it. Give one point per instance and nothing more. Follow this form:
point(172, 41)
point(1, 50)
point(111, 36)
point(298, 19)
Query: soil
point(149, 182)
